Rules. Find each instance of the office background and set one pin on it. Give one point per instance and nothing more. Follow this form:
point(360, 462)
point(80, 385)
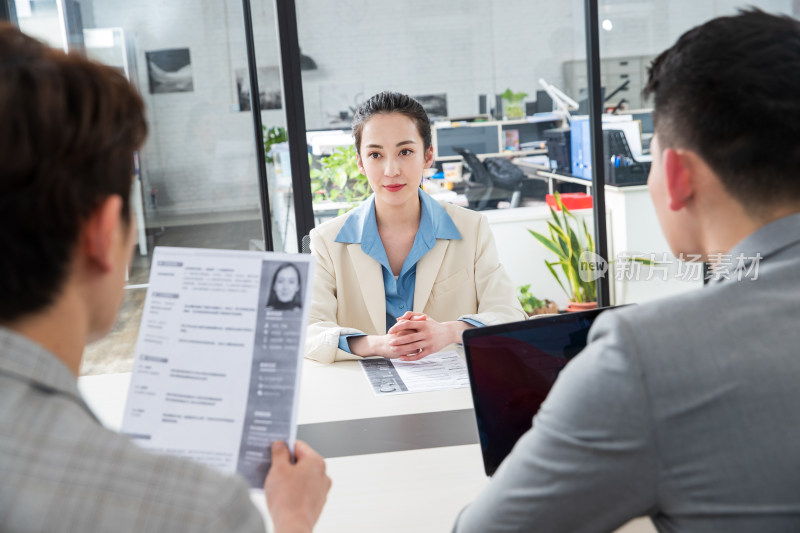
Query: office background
point(199, 172)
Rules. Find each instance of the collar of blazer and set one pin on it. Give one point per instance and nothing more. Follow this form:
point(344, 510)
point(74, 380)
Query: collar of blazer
point(370, 276)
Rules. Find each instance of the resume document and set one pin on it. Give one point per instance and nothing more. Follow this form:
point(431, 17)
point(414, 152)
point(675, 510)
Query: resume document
point(218, 358)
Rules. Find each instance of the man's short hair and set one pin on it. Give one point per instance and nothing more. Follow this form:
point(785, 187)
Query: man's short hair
point(68, 131)
point(729, 90)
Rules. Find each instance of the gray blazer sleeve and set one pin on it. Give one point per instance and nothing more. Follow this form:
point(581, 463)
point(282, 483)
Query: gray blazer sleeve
point(589, 462)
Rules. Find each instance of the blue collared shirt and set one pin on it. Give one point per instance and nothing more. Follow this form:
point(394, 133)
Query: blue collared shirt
point(362, 227)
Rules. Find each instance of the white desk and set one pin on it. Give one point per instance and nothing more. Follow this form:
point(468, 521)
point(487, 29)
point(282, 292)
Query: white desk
point(417, 490)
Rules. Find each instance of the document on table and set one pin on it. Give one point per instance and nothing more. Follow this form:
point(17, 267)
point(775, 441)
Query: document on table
point(438, 371)
point(217, 369)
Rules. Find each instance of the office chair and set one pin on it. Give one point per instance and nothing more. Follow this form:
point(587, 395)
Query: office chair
point(491, 183)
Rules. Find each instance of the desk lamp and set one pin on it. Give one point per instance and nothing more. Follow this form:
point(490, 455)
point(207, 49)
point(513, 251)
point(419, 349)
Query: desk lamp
point(563, 102)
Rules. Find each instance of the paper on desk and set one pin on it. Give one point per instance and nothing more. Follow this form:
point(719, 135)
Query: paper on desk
point(541, 160)
point(218, 360)
point(548, 116)
point(438, 371)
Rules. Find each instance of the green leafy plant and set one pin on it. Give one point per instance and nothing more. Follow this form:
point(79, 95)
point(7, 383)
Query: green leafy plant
point(572, 243)
point(514, 106)
point(273, 135)
point(338, 179)
point(533, 305)
point(529, 302)
point(569, 238)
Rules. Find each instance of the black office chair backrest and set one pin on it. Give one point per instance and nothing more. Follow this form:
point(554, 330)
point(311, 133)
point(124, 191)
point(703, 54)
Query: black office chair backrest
point(504, 173)
point(480, 191)
point(478, 172)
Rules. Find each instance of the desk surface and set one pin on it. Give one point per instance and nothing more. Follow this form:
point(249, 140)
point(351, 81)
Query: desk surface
point(398, 463)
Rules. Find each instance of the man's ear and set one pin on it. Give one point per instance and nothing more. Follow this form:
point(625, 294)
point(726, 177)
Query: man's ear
point(678, 173)
point(100, 231)
point(429, 157)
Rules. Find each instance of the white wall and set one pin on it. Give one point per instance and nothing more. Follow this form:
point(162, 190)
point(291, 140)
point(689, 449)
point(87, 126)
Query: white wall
point(200, 153)
point(461, 48)
point(42, 21)
point(649, 27)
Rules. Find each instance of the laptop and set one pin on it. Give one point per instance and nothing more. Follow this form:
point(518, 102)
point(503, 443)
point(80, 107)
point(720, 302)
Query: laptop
point(512, 368)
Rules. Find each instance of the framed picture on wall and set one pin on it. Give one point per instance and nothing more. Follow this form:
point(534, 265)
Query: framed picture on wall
point(434, 104)
point(338, 103)
point(269, 88)
point(169, 71)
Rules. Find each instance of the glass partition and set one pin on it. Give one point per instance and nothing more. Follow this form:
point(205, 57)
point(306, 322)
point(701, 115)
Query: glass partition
point(490, 74)
point(505, 81)
point(43, 19)
point(632, 35)
point(273, 117)
point(196, 177)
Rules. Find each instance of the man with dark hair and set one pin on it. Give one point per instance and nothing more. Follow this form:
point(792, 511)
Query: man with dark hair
point(685, 409)
point(68, 133)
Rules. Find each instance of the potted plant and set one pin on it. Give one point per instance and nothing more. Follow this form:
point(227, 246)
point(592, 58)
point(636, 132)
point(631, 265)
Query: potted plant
point(273, 135)
point(513, 104)
point(573, 245)
point(569, 239)
point(339, 180)
point(532, 305)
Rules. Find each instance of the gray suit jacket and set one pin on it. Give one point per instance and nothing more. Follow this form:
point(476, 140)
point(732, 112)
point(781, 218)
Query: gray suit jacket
point(60, 470)
point(685, 409)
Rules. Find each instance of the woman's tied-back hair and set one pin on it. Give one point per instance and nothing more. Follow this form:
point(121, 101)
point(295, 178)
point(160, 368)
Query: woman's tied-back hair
point(391, 102)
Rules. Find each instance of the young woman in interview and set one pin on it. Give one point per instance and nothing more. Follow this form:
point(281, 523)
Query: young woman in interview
point(401, 276)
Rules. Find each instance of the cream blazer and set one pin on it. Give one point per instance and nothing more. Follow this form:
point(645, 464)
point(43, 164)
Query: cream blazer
point(455, 279)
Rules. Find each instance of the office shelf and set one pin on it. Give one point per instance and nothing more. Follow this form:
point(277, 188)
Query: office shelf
point(486, 139)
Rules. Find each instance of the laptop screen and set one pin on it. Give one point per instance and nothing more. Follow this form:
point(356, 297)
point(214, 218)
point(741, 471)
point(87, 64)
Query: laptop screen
point(511, 369)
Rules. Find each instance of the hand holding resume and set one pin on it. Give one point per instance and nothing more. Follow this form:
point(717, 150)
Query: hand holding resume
point(218, 361)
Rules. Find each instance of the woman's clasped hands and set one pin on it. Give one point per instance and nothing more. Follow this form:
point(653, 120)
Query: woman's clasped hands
point(415, 336)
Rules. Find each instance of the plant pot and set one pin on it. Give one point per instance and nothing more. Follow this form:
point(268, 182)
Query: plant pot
point(513, 110)
point(580, 306)
point(550, 308)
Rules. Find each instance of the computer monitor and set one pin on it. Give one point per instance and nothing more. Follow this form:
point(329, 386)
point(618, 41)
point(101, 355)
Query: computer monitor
point(544, 104)
point(476, 139)
point(646, 119)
